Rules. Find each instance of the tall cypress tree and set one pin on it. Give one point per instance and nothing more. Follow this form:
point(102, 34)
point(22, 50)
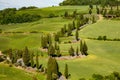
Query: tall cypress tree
point(77, 51)
point(26, 56)
point(49, 39)
point(77, 35)
point(85, 49)
point(66, 74)
point(71, 51)
point(31, 59)
point(51, 50)
point(81, 47)
point(56, 37)
point(74, 25)
point(52, 69)
point(58, 52)
point(10, 54)
point(69, 31)
point(37, 60)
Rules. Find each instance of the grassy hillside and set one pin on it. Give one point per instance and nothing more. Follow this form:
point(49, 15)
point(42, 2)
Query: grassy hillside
point(43, 25)
point(103, 58)
point(59, 10)
point(110, 28)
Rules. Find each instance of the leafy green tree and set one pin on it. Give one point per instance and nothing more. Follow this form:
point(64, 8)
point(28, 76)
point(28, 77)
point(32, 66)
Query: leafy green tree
point(66, 74)
point(52, 69)
point(26, 56)
point(77, 35)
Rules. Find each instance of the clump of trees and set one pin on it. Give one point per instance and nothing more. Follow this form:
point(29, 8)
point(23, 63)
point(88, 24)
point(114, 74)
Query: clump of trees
point(30, 7)
point(83, 49)
point(9, 15)
point(113, 76)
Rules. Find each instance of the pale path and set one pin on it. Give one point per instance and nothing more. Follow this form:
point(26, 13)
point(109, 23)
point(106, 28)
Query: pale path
point(100, 17)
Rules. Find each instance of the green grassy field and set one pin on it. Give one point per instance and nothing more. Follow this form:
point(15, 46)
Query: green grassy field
point(103, 56)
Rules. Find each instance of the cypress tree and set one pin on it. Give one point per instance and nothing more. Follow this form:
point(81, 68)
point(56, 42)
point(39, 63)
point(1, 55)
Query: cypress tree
point(74, 25)
point(44, 41)
point(69, 33)
point(49, 39)
point(26, 56)
point(51, 50)
point(77, 35)
point(66, 74)
point(66, 14)
point(71, 51)
point(85, 48)
point(10, 54)
point(77, 51)
point(81, 47)
point(52, 69)
point(78, 24)
point(31, 59)
point(56, 37)
point(56, 46)
point(90, 11)
point(58, 52)
point(37, 60)
point(65, 28)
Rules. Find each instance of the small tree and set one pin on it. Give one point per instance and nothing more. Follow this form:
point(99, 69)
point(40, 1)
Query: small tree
point(85, 48)
point(31, 59)
point(104, 38)
point(26, 56)
point(98, 10)
point(77, 51)
point(77, 35)
point(56, 37)
point(10, 54)
point(71, 51)
point(37, 61)
point(69, 31)
point(51, 50)
point(58, 52)
point(49, 39)
point(74, 25)
point(66, 14)
point(90, 11)
point(66, 74)
point(81, 47)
